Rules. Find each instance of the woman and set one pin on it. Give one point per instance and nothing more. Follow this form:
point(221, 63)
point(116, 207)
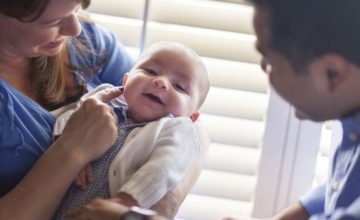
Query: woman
point(46, 63)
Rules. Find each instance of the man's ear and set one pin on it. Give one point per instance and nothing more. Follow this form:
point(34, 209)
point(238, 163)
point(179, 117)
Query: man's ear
point(125, 79)
point(195, 116)
point(331, 71)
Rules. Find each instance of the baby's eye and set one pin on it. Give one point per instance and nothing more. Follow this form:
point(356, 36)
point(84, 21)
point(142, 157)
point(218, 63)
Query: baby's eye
point(180, 88)
point(150, 72)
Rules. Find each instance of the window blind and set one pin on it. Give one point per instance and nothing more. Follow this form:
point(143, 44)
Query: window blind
point(322, 163)
point(331, 136)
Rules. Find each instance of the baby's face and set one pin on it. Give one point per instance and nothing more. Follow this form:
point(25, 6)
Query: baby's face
point(164, 81)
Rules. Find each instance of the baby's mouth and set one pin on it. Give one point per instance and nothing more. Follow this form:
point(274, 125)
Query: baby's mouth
point(154, 98)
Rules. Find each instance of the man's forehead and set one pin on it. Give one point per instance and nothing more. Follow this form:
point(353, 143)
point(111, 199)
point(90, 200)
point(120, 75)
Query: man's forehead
point(262, 30)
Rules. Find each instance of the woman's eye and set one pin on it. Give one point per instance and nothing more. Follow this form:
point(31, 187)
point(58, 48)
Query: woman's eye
point(53, 23)
point(150, 72)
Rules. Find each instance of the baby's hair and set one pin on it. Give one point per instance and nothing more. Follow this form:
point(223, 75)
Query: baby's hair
point(191, 53)
point(169, 44)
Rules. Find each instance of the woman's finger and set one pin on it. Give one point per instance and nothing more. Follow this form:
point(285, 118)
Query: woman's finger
point(109, 94)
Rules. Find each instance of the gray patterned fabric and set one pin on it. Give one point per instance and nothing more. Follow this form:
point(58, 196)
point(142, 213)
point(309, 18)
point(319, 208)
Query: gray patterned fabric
point(99, 188)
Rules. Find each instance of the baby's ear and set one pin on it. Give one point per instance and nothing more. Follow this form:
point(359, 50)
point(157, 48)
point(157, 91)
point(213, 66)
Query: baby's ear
point(125, 79)
point(195, 116)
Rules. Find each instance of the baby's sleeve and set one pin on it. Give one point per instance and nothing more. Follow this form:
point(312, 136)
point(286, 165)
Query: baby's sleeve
point(176, 149)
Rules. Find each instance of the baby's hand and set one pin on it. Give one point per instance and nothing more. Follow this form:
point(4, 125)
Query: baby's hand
point(85, 177)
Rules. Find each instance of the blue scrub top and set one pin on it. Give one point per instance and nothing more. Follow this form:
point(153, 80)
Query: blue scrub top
point(26, 127)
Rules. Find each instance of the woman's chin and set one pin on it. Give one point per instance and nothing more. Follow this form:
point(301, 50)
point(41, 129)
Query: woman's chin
point(49, 51)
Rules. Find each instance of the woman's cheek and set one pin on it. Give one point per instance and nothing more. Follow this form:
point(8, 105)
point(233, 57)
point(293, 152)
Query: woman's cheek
point(47, 36)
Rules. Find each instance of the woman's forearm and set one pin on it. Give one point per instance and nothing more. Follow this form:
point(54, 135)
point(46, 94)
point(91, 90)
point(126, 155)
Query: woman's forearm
point(83, 140)
point(41, 190)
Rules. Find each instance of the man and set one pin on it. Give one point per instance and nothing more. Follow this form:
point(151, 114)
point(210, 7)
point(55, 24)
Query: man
point(311, 52)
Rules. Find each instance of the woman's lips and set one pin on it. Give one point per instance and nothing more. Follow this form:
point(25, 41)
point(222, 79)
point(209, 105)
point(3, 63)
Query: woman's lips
point(55, 44)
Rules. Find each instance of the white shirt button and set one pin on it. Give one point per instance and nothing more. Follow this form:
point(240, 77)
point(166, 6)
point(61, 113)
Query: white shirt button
point(335, 185)
point(352, 136)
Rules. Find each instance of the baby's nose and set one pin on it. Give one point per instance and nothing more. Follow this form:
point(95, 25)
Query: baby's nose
point(160, 82)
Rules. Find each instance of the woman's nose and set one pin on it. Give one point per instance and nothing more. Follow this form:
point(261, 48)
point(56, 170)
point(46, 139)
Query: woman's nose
point(71, 26)
point(160, 82)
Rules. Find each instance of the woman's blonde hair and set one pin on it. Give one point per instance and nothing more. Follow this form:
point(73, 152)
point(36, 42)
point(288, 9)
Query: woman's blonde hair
point(51, 77)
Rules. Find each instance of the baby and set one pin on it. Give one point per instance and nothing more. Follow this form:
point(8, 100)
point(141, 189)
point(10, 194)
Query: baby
point(157, 142)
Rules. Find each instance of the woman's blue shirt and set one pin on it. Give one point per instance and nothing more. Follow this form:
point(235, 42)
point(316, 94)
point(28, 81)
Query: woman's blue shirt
point(26, 127)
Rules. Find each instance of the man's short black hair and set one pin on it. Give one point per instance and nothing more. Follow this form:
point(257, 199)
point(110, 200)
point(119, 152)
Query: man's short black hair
point(302, 30)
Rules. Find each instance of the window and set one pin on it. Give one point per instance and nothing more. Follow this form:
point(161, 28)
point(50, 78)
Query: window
point(331, 135)
point(255, 161)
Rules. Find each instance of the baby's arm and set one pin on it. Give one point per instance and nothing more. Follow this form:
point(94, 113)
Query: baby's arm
point(176, 149)
point(169, 204)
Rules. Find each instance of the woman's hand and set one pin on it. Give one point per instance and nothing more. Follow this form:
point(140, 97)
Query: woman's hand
point(90, 132)
point(99, 209)
point(92, 129)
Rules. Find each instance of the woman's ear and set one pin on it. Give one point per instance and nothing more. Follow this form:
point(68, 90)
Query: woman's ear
point(125, 79)
point(195, 116)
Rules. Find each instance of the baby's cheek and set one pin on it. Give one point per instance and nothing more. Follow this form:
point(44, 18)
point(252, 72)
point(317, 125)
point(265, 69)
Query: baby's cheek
point(180, 109)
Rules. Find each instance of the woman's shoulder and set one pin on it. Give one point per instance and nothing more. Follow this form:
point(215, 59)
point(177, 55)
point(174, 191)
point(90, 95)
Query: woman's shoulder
point(10, 135)
point(92, 44)
point(14, 103)
point(98, 37)
point(102, 52)
point(19, 115)
point(8, 96)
